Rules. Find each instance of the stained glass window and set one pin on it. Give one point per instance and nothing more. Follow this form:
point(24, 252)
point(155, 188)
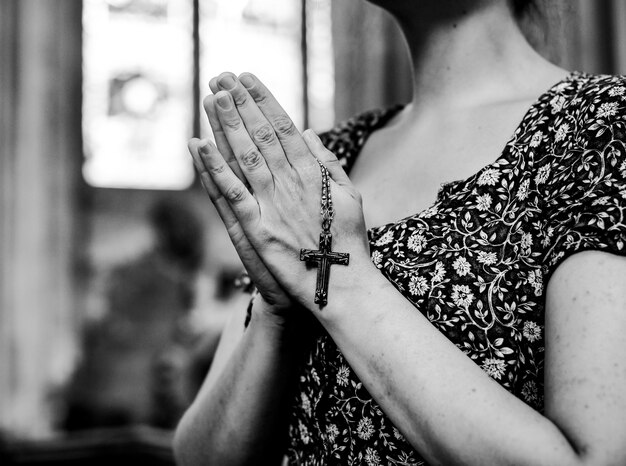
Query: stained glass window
point(138, 92)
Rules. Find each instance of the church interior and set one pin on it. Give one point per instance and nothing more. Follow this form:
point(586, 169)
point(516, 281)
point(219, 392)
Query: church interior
point(117, 276)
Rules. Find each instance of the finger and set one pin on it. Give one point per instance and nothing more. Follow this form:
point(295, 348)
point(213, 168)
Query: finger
point(330, 161)
point(220, 137)
point(213, 85)
point(293, 144)
point(257, 270)
point(243, 205)
point(259, 129)
point(250, 159)
point(222, 207)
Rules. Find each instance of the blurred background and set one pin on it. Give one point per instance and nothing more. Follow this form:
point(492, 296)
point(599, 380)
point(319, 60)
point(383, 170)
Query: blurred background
point(117, 276)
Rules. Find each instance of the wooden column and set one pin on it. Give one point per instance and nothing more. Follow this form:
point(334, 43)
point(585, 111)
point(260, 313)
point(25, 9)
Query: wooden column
point(41, 153)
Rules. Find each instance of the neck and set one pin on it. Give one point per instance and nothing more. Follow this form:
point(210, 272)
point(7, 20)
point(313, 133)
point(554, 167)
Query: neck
point(466, 54)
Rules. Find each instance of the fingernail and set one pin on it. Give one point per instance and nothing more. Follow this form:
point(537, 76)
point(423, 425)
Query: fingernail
point(247, 81)
point(224, 101)
point(227, 82)
point(206, 148)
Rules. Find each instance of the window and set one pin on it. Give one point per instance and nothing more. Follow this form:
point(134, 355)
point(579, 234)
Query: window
point(148, 62)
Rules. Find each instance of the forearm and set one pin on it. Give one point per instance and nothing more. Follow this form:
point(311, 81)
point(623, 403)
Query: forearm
point(446, 406)
point(239, 417)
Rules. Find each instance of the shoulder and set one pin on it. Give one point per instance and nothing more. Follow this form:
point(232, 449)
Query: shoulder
point(580, 173)
point(592, 102)
point(587, 134)
point(582, 90)
point(597, 88)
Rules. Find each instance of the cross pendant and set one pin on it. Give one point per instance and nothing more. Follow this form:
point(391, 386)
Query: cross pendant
point(324, 258)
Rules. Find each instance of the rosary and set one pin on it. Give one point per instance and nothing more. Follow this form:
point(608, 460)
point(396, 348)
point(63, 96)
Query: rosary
point(324, 257)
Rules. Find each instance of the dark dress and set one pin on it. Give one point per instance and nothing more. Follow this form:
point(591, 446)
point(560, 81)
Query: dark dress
point(477, 261)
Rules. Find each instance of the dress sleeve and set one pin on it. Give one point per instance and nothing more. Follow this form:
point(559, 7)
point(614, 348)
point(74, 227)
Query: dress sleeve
point(586, 191)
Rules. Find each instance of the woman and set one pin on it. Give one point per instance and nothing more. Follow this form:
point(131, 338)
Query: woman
point(430, 348)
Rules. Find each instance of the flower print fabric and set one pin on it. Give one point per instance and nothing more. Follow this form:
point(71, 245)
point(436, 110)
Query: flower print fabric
point(476, 263)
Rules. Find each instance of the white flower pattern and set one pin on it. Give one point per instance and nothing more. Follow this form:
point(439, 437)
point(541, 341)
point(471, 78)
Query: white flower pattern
point(439, 273)
point(342, 376)
point(365, 429)
point(539, 196)
point(557, 103)
point(608, 109)
point(462, 296)
point(385, 239)
point(332, 432)
point(542, 175)
point(377, 258)
point(522, 193)
point(487, 258)
point(535, 278)
point(529, 392)
point(536, 139)
point(371, 457)
point(527, 241)
point(461, 266)
point(483, 202)
point(561, 132)
point(418, 285)
point(494, 367)
point(489, 177)
point(531, 331)
point(416, 242)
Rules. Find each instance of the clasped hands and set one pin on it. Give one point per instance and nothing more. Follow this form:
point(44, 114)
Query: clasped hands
point(263, 178)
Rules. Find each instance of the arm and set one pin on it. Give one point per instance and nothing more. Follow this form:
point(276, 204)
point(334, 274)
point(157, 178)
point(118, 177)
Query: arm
point(239, 415)
point(453, 413)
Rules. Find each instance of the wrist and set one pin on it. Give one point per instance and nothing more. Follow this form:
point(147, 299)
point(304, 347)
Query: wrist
point(269, 314)
point(291, 331)
point(287, 319)
point(351, 288)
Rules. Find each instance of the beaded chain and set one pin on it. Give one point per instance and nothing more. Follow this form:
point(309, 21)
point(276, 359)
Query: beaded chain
point(327, 210)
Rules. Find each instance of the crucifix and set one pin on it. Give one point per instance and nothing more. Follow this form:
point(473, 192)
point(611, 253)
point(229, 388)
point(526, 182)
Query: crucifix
point(324, 258)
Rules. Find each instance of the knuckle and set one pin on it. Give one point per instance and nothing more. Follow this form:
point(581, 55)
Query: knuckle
point(331, 161)
point(264, 135)
point(235, 193)
point(240, 98)
point(260, 98)
point(232, 123)
point(217, 169)
point(236, 233)
point(284, 126)
point(251, 158)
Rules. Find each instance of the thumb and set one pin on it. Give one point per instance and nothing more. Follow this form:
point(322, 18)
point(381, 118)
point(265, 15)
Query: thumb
point(330, 161)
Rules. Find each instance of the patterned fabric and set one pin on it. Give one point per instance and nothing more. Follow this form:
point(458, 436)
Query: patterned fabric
point(475, 263)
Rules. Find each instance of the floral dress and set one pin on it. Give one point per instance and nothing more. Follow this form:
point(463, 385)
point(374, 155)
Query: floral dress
point(477, 261)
